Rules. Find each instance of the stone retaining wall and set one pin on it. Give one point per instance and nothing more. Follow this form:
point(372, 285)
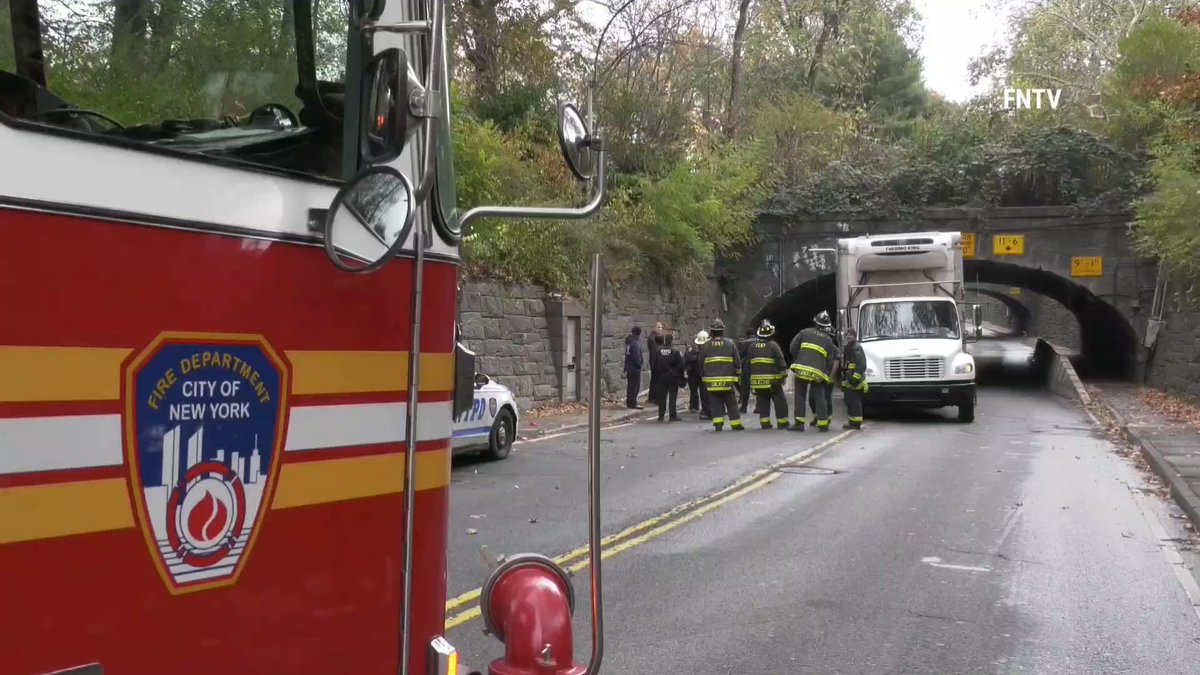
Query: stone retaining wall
point(518, 333)
point(1175, 364)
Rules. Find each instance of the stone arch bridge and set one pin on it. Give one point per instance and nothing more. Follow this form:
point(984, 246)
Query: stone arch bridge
point(1081, 259)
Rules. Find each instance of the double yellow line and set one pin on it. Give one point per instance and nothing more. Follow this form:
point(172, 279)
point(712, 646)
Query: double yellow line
point(648, 529)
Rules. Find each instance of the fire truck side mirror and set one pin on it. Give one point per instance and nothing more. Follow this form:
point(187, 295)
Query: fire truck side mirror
point(465, 379)
point(575, 141)
point(369, 220)
point(385, 123)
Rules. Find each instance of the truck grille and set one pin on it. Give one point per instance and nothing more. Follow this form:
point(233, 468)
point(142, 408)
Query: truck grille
point(918, 368)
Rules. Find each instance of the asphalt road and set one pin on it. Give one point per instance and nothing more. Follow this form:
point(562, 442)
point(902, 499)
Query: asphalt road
point(1018, 544)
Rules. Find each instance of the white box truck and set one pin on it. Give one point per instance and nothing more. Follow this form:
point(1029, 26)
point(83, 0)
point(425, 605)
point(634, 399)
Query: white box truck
point(904, 294)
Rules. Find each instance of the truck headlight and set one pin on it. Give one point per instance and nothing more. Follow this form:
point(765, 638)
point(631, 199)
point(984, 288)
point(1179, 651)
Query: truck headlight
point(964, 368)
point(870, 371)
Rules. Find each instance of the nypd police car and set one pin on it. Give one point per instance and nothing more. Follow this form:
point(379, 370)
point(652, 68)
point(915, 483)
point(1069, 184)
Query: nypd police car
point(490, 424)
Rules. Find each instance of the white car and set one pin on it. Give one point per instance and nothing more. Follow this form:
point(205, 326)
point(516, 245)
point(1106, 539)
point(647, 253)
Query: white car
point(491, 423)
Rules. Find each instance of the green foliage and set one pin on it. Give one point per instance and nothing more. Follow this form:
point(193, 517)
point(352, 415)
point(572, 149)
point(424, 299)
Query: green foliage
point(1158, 97)
point(972, 160)
point(670, 227)
point(1167, 226)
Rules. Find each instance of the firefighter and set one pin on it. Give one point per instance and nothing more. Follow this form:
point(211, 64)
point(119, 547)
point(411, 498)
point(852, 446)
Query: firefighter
point(698, 399)
point(853, 379)
point(825, 324)
point(721, 368)
point(768, 370)
point(814, 361)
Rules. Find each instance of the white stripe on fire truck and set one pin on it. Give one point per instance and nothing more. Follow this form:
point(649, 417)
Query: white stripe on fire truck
point(29, 444)
point(176, 187)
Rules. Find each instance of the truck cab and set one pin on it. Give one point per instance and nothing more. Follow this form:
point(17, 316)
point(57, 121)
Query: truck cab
point(903, 294)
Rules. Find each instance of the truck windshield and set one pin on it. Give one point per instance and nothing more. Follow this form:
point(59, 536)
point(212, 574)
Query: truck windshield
point(908, 319)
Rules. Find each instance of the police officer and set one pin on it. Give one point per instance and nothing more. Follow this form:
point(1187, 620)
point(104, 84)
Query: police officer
point(698, 399)
point(814, 359)
point(666, 376)
point(853, 379)
point(768, 369)
point(720, 370)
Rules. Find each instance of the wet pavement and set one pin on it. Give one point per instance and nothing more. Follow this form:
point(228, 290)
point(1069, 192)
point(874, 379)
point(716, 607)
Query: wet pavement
point(1022, 543)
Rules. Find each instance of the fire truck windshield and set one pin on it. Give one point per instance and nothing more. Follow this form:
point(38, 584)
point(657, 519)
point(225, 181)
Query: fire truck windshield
point(244, 82)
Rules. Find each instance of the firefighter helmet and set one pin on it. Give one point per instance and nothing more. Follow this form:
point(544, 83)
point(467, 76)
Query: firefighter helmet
point(701, 337)
point(717, 326)
point(822, 319)
point(766, 330)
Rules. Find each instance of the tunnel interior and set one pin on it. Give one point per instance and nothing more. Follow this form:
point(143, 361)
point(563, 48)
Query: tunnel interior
point(1108, 342)
point(1021, 314)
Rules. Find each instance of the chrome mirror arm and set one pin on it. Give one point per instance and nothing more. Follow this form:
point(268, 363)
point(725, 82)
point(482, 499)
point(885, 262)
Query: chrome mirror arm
point(546, 212)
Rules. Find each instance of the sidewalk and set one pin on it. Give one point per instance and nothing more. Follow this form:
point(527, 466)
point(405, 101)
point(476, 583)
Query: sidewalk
point(562, 417)
point(1165, 430)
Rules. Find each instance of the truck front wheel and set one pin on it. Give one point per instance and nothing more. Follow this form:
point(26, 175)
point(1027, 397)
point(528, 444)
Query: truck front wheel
point(966, 412)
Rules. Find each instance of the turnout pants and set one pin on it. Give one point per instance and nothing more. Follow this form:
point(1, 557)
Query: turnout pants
point(814, 392)
point(766, 397)
point(801, 393)
point(723, 401)
point(854, 406)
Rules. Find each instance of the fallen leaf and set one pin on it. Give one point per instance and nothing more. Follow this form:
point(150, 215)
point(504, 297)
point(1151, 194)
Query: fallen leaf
point(471, 530)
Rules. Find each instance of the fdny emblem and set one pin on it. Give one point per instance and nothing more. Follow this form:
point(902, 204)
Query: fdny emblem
point(204, 424)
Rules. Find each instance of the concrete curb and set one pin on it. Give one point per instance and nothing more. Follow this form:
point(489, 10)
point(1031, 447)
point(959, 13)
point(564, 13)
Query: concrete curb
point(623, 417)
point(1062, 362)
point(1181, 492)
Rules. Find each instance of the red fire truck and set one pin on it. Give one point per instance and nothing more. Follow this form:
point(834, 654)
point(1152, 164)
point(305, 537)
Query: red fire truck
point(228, 354)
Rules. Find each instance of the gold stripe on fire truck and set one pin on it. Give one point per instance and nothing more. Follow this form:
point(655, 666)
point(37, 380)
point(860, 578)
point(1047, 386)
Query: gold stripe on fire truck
point(63, 509)
point(94, 374)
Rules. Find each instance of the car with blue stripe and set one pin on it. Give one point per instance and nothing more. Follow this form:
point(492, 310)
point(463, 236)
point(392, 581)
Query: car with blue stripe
point(490, 425)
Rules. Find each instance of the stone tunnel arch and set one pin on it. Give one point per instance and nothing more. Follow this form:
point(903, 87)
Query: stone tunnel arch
point(794, 310)
point(1108, 342)
point(1019, 311)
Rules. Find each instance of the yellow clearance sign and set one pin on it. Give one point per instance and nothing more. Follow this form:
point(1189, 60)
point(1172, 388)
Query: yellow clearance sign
point(1087, 266)
point(968, 244)
point(1008, 244)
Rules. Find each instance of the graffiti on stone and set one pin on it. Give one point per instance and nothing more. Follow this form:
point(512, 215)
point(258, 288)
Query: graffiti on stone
point(815, 260)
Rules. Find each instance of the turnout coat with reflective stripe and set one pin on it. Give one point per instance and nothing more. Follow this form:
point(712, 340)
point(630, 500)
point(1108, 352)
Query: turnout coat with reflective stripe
point(720, 364)
point(767, 364)
point(854, 367)
point(813, 354)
